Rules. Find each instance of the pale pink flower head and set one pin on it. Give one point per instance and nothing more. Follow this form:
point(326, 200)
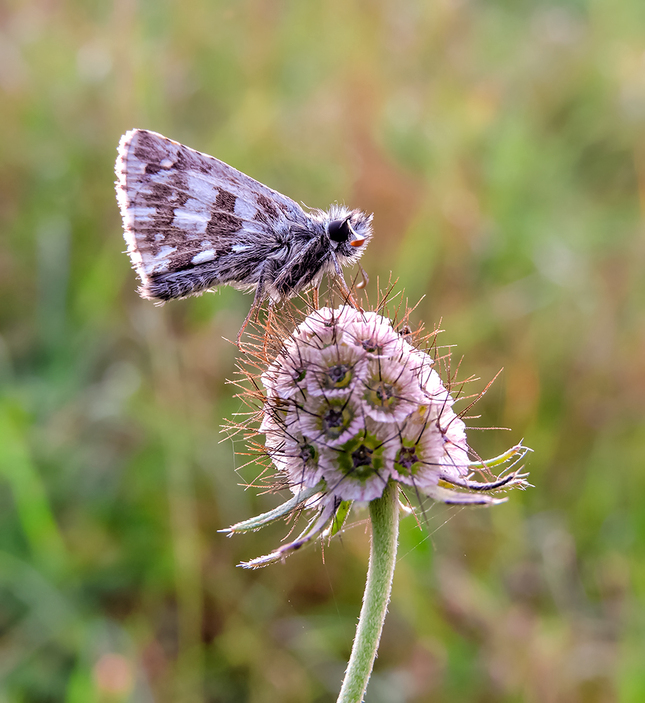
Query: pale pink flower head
point(349, 404)
point(367, 406)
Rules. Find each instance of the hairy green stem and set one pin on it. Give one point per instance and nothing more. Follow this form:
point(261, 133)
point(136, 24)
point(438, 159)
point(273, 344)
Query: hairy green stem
point(384, 513)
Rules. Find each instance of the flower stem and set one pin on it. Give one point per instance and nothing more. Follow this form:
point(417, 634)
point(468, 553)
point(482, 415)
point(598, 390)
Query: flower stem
point(384, 513)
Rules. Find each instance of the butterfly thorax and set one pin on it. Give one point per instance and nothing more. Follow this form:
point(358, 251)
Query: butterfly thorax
point(308, 252)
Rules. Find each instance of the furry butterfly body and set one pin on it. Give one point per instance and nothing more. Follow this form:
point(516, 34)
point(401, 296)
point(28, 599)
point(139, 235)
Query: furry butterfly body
point(191, 223)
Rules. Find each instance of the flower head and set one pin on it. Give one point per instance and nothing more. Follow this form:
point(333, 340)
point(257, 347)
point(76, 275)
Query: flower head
point(350, 404)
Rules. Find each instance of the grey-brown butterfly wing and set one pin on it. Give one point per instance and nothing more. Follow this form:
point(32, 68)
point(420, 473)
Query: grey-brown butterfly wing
point(192, 222)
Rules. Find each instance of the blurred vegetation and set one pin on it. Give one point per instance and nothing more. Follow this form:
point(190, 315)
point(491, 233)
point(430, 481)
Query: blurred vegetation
point(501, 146)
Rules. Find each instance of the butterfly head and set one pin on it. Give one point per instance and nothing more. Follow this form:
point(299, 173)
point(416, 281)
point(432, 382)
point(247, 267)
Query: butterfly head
point(349, 232)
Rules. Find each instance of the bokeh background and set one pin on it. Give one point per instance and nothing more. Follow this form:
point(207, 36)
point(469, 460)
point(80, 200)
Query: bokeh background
point(501, 146)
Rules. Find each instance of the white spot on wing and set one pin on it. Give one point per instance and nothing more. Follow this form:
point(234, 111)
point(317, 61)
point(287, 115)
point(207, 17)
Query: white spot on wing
point(192, 216)
point(203, 257)
point(164, 252)
point(239, 247)
point(158, 263)
point(201, 190)
point(244, 209)
point(191, 222)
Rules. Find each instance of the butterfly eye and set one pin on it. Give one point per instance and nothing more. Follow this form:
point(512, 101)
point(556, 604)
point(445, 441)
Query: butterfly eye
point(339, 230)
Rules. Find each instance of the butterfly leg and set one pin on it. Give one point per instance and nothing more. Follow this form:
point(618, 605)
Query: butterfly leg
point(345, 291)
point(316, 297)
point(255, 307)
point(268, 325)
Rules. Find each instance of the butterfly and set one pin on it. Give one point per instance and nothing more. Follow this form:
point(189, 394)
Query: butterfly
point(192, 223)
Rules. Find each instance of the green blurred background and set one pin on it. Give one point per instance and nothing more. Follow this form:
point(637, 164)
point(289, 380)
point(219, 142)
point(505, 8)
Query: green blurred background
point(501, 146)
